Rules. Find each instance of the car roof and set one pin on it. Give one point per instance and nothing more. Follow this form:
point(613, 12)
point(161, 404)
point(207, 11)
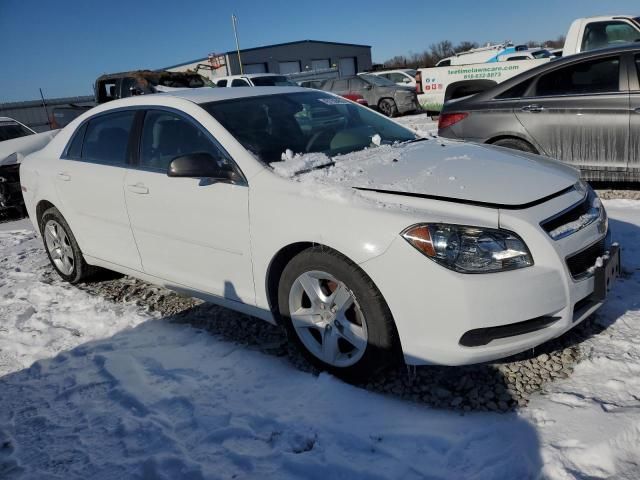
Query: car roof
point(7, 119)
point(249, 75)
point(209, 94)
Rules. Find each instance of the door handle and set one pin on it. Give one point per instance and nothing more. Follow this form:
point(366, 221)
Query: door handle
point(138, 188)
point(533, 108)
point(65, 177)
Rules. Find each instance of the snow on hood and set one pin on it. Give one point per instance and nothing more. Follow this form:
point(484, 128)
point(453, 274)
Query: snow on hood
point(14, 150)
point(439, 168)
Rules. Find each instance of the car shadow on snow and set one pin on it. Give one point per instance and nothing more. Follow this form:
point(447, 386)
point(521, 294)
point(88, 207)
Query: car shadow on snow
point(219, 400)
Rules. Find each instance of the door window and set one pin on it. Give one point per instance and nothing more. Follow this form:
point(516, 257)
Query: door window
point(166, 136)
point(107, 138)
point(603, 34)
point(339, 86)
point(593, 76)
point(356, 84)
point(398, 78)
point(238, 82)
point(222, 83)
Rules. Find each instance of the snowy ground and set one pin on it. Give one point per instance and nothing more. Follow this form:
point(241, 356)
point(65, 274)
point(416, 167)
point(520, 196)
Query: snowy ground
point(119, 392)
point(421, 124)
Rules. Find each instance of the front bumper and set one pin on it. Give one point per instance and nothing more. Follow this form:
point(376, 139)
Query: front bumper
point(434, 308)
point(407, 104)
point(10, 190)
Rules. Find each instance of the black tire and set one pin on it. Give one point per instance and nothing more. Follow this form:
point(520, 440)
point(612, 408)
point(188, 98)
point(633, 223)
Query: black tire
point(382, 348)
point(81, 270)
point(388, 107)
point(515, 144)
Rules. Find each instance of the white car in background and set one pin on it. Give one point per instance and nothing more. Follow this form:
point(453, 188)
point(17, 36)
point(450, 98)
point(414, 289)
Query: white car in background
point(405, 77)
point(366, 242)
point(254, 80)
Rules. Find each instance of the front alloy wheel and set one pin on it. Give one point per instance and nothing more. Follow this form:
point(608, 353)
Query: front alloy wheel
point(336, 316)
point(327, 319)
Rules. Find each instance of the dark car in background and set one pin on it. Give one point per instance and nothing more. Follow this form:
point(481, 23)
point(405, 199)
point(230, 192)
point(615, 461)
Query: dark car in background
point(378, 92)
point(583, 109)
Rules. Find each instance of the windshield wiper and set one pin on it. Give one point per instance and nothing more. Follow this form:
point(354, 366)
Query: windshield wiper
point(418, 139)
point(317, 167)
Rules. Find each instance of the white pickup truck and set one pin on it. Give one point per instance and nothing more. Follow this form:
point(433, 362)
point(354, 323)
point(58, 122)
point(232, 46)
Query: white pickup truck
point(436, 85)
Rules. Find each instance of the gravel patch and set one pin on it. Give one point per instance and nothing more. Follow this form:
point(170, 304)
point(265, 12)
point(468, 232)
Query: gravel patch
point(501, 386)
point(611, 194)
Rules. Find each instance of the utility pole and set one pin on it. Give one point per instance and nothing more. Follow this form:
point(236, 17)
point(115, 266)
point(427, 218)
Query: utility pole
point(234, 21)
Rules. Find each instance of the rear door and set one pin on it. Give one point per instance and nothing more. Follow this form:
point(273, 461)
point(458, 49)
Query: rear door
point(191, 232)
point(89, 180)
point(579, 113)
point(634, 121)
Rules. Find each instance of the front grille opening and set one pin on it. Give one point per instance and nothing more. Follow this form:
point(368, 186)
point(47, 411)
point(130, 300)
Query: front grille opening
point(580, 263)
point(571, 215)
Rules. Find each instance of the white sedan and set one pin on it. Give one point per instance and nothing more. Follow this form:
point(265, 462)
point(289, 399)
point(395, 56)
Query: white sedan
point(368, 243)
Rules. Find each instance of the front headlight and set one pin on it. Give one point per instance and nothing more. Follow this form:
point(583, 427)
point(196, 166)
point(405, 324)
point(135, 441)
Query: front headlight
point(467, 249)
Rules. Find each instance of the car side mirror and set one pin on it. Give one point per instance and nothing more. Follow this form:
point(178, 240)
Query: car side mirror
point(201, 165)
point(406, 80)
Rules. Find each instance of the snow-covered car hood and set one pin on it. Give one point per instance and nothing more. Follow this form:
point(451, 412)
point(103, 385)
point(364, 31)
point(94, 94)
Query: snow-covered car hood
point(436, 168)
point(14, 150)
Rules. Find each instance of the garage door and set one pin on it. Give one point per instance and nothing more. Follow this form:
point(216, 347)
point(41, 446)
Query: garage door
point(319, 64)
point(289, 67)
point(347, 66)
point(255, 68)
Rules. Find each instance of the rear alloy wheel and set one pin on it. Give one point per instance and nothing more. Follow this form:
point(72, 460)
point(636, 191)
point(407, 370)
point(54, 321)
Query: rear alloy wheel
point(388, 107)
point(62, 249)
point(335, 315)
point(59, 247)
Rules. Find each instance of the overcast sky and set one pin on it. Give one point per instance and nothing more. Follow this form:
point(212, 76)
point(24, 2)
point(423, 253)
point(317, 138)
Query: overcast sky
point(63, 45)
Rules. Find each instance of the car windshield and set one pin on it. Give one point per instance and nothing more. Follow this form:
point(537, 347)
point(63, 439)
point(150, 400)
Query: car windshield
point(541, 54)
point(305, 122)
point(411, 73)
point(272, 81)
point(376, 80)
point(10, 130)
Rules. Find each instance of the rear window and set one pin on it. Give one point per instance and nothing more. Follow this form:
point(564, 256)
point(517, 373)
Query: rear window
point(107, 137)
point(593, 76)
point(10, 130)
point(604, 34)
point(516, 91)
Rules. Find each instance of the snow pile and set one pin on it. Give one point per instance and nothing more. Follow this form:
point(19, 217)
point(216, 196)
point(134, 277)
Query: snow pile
point(293, 164)
point(422, 124)
point(129, 395)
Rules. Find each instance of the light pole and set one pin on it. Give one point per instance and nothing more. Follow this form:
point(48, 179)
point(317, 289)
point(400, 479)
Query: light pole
point(234, 21)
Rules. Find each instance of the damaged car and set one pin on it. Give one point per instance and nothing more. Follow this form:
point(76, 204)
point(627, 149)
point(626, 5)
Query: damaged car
point(16, 141)
point(367, 243)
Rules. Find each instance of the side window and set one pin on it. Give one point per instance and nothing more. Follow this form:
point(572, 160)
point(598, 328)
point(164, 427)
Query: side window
point(356, 84)
point(339, 86)
point(107, 138)
point(516, 91)
point(166, 136)
point(603, 34)
point(593, 76)
point(222, 83)
point(398, 77)
point(444, 63)
point(638, 66)
point(74, 152)
point(238, 82)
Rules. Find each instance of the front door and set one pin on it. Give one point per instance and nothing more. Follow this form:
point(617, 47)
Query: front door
point(191, 232)
point(89, 181)
point(580, 113)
